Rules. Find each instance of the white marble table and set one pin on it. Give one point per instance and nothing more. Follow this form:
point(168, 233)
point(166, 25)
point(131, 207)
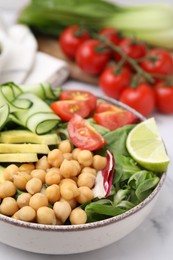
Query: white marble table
point(152, 240)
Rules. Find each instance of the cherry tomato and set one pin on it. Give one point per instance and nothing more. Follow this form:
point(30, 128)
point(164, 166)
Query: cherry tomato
point(111, 35)
point(80, 95)
point(113, 81)
point(164, 97)
point(92, 57)
point(71, 38)
point(84, 136)
point(113, 120)
point(67, 108)
point(104, 106)
point(140, 98)
point(158, 62)
point(131, 48)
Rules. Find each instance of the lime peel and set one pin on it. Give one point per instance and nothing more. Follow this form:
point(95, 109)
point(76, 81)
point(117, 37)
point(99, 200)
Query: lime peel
point(146, 146)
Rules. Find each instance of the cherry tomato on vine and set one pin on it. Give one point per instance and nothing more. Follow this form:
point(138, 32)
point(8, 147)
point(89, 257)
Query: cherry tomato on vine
point(79, 95)
point(65, 109)
point(92, 57)
point(141, 98)
point(113, 81)
point(84, 136)
point(111, 35)
point(133, 49)
point(71, 38)
point(164, 97)
point(158, 62)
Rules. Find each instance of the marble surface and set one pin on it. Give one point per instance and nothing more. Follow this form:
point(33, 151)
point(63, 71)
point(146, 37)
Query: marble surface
point(153, 239)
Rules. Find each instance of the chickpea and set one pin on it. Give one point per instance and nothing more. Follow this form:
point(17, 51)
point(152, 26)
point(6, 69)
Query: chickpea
point(53, 193)
point(62, 210)
point(26, 167)
point(38, 200)
point(15, 215)
point(53, 176)
point(46, 215)
point(26, 213)
point(78, 216)
point(23, 199)
point(65, 146)
point(69, 190)
point(9, 206)
point(99, 162)
point(68, 169)
point(75, 153)
point(85, 157)
point(67, 156)
point(7, 189)
point(89, 170)
point(43, 163)
point(55, 158)
point(20, 180)
point(39, 173)
point(85, 195)
point(86, 179)
point(72, 202)
point(9, 171)
point(34, 185)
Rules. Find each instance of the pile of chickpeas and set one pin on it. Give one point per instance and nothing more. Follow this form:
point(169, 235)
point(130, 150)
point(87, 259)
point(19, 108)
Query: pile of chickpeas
point(51, 190)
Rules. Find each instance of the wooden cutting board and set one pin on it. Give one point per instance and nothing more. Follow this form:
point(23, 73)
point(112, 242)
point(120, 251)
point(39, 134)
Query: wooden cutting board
point(51, 47)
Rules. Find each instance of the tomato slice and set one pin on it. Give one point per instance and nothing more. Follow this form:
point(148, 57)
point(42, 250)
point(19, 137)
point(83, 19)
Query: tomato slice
point(67, 108)
point(104, 106)
point(80, 95)
point(84, 136)
point(113, 120)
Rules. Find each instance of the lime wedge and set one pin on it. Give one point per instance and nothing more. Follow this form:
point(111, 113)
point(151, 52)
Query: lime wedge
point(146, 147)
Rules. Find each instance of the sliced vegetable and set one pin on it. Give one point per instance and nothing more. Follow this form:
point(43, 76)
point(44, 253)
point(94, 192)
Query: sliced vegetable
point(24, 148)
point(67, 108)
point(18, 157)
point(83, 135)
point(80, 95)
point(4, 114)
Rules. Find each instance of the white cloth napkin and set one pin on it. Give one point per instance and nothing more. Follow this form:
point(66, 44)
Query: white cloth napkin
point(22, 63)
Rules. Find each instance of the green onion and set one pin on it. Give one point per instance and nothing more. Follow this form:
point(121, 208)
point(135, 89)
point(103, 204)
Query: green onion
point(151, 23)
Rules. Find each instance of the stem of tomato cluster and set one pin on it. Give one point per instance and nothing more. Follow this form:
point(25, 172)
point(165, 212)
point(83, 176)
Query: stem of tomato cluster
point(135, 65)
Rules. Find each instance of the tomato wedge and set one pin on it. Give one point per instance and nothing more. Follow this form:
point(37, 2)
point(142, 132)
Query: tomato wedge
point(104, 106)
point(113, 120)
point(79, 95)
point(67, 108)
point(84, 136)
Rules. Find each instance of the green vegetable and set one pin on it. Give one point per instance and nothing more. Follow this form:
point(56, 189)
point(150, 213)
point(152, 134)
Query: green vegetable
point(19, 105)
point(151, 23)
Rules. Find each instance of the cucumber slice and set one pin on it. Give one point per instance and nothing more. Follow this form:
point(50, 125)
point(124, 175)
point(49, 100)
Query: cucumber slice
point(4, 115)
point(19, 157)
point(24, 148)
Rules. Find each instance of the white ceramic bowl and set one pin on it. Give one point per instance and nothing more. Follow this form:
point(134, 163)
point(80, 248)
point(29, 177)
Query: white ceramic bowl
point(71, 239)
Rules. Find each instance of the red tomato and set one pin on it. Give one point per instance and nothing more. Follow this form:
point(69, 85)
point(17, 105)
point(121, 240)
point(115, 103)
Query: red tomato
point(111, 35)
point(131, 48)
point(70, 40)
point(84, 136)
point(92, 57)
point(80, 95)
point(104, 106)
point(158, 62)
point(67, 108)
point(113, 81)
point(113, 120)
point(140, 98)
point(164, 98)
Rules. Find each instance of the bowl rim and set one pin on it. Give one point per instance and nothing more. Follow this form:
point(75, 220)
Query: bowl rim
point(96, 224)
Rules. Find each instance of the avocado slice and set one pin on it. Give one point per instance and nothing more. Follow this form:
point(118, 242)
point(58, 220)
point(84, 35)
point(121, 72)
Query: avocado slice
point(26, 136)
point(18, 157)
point(24, 148)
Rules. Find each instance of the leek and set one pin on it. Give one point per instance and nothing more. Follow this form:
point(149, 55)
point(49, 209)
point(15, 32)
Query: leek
point(150, 23)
